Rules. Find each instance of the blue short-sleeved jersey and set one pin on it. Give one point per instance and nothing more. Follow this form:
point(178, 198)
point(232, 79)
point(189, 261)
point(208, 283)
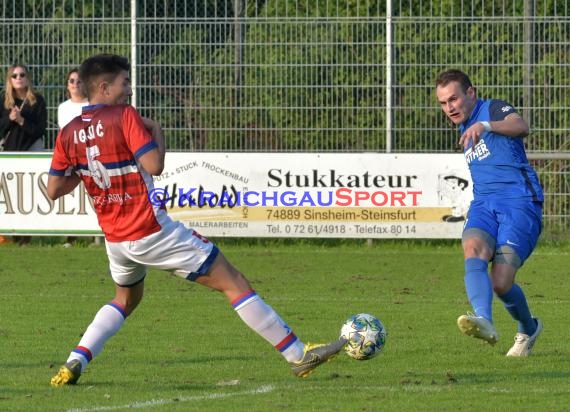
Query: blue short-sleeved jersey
point(498, 164)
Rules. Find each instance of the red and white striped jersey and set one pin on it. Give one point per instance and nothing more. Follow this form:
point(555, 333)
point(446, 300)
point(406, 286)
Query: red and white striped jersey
point(102, 147)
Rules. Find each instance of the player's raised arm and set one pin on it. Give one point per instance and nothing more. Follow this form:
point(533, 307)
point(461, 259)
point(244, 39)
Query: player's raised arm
point(513, 126)
point(153, 160)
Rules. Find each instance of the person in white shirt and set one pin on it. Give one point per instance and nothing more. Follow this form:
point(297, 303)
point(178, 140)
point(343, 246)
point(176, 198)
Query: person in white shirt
point(71, 108)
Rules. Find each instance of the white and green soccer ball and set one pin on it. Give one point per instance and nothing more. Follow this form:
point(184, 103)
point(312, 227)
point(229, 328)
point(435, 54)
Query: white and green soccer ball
point(366, 336)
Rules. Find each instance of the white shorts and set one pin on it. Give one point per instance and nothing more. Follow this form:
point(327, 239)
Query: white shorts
point(174, 248)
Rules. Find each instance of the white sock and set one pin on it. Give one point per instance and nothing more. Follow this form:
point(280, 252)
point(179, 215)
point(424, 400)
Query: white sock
point(261, 317)
point(105, 324)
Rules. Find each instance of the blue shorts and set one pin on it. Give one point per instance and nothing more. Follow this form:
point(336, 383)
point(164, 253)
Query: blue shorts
point(513, 223)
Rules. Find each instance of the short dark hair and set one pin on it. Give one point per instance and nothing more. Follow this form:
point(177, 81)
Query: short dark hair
point(107, 66)
point(453, 75)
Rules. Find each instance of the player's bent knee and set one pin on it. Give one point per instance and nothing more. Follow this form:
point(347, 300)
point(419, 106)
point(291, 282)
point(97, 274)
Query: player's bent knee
point(502, 287)
point(477, 243)
point(129, 298)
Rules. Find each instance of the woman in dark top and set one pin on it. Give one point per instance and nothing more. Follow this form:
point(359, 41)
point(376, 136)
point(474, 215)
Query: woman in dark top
point(23, 119)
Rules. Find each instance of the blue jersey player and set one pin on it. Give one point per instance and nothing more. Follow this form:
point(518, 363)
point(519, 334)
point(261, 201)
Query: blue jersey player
point(505, 217)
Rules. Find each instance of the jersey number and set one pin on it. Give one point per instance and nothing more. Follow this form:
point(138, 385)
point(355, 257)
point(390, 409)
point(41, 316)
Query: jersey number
point(98, 172)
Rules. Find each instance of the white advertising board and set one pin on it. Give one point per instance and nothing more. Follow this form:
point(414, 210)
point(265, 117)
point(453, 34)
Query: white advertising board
point(25, 207)
point(334, 195)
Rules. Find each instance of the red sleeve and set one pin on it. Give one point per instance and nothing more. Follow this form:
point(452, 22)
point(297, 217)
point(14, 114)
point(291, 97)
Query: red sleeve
point(138, 138)
point(60, 160)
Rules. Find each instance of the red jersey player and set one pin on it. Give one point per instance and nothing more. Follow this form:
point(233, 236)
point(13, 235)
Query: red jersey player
point(115, 152)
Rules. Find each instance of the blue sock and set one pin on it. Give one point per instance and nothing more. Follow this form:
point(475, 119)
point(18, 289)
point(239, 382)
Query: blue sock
point(515, 302)
point(479, 288)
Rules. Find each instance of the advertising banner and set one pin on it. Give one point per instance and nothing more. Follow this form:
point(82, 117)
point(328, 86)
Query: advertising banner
point(311, 195)
point(25, 207)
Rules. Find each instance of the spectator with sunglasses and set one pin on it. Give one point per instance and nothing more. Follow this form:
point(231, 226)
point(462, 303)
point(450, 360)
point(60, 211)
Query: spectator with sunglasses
point(23, 118)
point(71, 108)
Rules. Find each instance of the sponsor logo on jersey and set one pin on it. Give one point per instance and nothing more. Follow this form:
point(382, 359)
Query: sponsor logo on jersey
point(479, 152)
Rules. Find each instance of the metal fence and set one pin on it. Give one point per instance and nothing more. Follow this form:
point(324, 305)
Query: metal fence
point(321, 75)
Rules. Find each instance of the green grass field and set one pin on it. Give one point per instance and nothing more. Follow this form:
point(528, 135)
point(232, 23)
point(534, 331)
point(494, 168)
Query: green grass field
point(184, 349)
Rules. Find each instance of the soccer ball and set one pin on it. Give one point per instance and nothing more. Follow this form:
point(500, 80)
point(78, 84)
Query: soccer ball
point(366, 336)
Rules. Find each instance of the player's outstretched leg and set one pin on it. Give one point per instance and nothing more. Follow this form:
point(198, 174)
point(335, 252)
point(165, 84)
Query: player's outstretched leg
point(264, 320)
point(478, 327)
point(480, 293)
point(315, 355)
point(68, 374)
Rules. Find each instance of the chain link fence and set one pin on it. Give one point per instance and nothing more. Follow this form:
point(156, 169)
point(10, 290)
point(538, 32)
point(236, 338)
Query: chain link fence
point(316, 76)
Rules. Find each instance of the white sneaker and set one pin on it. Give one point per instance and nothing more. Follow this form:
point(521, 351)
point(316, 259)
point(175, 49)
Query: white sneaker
point(478, 327)
point(524, 343)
